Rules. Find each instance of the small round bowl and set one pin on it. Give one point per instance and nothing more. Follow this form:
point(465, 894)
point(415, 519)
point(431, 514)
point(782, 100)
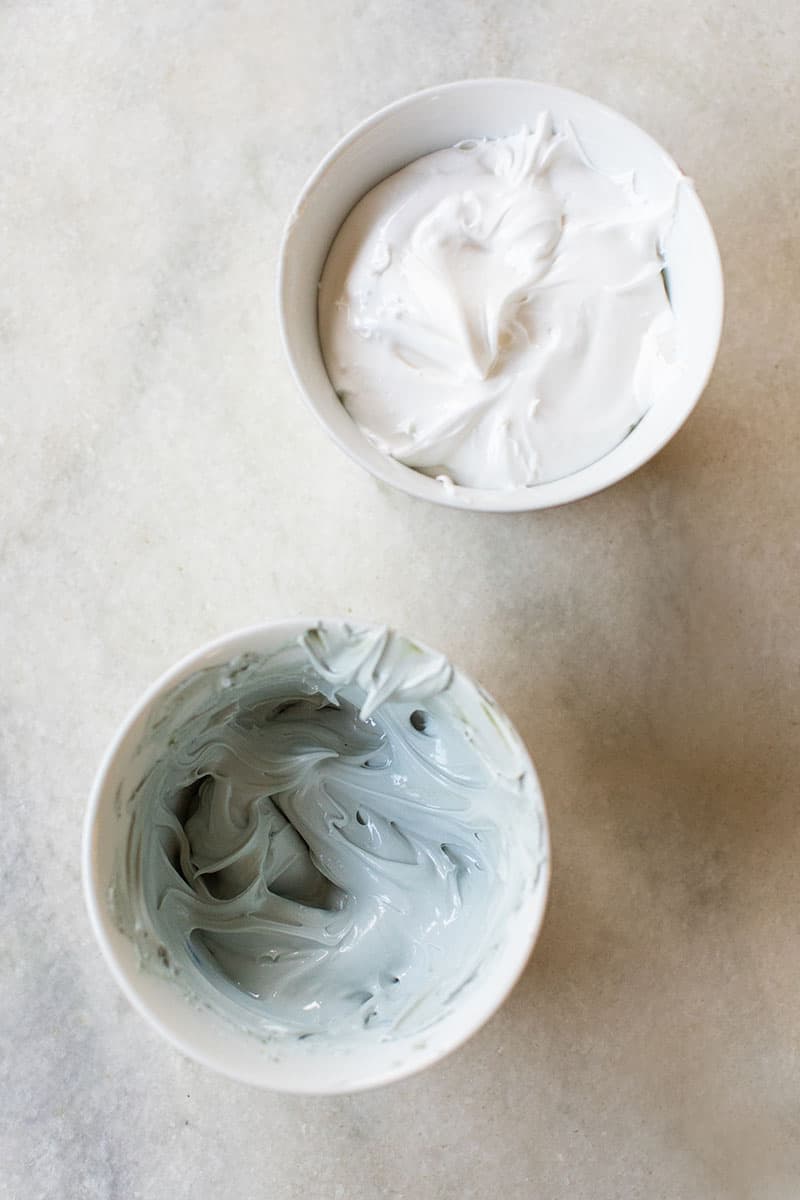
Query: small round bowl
point(287, 1063)
point(441, 117)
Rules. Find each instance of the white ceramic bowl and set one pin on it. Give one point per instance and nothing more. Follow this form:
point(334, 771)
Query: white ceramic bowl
point(288, 1064)
point(440, 117)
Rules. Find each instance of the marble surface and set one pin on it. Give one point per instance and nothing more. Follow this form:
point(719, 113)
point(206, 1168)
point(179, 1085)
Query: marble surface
point(162, 483)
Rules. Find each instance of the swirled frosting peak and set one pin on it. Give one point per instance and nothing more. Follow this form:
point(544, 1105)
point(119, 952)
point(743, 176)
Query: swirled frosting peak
point(495, 314)
point(325, 840)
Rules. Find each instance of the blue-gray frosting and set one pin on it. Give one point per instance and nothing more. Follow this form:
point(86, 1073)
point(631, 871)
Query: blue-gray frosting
point(320, 842)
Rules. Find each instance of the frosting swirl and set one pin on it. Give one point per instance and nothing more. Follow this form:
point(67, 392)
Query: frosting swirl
point(320, 841)
point(496, 314)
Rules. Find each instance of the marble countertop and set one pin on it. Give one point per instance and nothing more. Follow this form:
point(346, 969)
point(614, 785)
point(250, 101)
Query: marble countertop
point(162, 483)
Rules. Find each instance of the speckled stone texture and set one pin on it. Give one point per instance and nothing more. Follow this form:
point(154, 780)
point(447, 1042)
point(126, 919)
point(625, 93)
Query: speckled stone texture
point(162, 483)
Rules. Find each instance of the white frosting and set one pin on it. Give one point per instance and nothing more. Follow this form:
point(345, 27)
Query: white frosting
point(495, 314)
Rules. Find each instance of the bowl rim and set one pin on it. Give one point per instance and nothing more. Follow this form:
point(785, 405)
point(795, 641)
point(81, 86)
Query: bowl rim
point(553, 493)
point(93, 887)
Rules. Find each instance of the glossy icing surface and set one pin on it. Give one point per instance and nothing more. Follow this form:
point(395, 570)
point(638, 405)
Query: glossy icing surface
point(323, 841)
point(496, 314)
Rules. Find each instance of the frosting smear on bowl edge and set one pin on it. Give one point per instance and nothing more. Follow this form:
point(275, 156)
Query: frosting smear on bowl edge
point(495, 314)
point(327, 841)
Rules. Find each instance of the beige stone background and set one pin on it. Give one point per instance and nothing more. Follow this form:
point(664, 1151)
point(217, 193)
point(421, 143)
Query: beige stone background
point(162, 482)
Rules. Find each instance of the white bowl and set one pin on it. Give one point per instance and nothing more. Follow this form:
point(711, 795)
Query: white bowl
point(440, 117)
point(288, 1064)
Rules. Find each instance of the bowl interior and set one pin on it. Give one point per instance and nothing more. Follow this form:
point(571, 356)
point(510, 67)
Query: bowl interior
point(441, 117)
point(281, 1063)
